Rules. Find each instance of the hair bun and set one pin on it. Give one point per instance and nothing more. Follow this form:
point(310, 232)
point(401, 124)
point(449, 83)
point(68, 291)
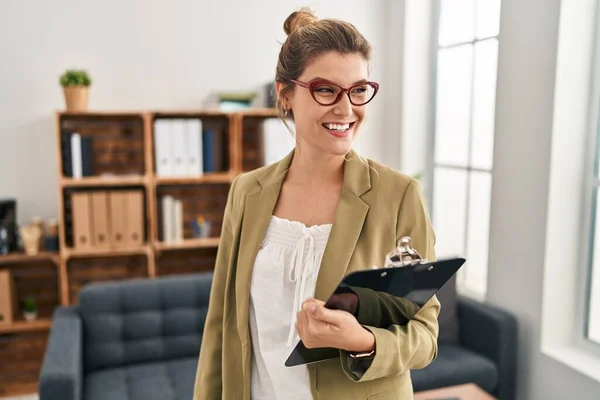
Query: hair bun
point(298, 19)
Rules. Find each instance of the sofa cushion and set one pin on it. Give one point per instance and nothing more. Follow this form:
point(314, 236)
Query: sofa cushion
point(456, 365)
point(171, 380)
point(143, 320)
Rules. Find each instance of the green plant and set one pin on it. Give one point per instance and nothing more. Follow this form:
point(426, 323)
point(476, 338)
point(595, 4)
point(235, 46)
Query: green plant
point(73, 77)
point(30, 305)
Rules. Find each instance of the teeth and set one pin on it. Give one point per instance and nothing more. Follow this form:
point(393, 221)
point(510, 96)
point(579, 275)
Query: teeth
point(337, 127)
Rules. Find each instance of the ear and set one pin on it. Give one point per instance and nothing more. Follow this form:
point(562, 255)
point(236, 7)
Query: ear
point(279, 86)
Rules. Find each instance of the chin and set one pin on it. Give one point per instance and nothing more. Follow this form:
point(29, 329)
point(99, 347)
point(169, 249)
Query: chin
point(338, 149)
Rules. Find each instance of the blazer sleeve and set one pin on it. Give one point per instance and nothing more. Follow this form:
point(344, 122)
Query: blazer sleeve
point(208, 384)
point(400, 348)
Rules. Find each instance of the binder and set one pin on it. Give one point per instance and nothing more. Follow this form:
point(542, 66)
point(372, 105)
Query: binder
point(178, 130)
point(163, 148)
point(407, 281)
point(194, 147)
point(100, 219)
point(81, 208)
point(118, 218)
point(134, 200)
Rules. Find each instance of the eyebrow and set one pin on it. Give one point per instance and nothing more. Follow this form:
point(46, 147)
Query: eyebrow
point(318, 78)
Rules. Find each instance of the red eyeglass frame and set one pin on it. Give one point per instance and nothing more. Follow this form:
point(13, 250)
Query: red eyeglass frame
point(311, 85)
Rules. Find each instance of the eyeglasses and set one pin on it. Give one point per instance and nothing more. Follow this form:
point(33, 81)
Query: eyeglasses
point(328, 93)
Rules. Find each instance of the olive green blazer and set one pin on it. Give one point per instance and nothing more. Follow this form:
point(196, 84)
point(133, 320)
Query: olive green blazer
point(378, 205)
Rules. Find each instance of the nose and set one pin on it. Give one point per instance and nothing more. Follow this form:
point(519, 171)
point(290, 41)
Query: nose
point(343, 107)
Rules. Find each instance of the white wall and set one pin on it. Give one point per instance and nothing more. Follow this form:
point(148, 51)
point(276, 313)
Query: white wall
point(524, 115)
point(143, 54)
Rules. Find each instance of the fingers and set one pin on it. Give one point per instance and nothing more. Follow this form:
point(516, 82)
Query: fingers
point(311, 300)
point(301, 323)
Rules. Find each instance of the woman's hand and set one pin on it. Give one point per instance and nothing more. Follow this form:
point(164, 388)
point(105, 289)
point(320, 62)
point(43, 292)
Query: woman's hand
point(321, 327)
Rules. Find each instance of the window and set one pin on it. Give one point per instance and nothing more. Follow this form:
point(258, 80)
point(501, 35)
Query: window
point(570, 295)
point(592, 317)
point(467, 53)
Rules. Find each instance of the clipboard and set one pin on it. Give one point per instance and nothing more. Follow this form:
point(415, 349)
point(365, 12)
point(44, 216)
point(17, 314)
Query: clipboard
point(411, 280)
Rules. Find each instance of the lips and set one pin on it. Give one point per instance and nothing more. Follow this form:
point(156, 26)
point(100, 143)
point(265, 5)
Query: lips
point(339, 130)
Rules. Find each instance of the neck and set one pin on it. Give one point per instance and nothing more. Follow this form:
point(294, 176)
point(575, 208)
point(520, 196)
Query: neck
point(308, 167)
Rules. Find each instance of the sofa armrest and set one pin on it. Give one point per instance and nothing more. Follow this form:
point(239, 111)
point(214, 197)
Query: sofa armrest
point(492, 333)
point(61, 374)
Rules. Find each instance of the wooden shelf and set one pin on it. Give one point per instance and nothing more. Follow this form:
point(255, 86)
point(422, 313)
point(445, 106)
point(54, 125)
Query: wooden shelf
point(14, 258)
point(103, 181)
point(101, 113)
point(259, 112)
point(106, 252)
point(191, 113)
point(26, 326)
point(223, 177)
point(188, 244)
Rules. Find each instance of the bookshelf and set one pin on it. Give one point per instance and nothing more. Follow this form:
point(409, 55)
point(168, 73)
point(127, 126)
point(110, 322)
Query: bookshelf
point(122, 145)
point(124, 151)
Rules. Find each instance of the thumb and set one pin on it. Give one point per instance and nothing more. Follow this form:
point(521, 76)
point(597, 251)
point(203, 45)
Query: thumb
point(320, 313)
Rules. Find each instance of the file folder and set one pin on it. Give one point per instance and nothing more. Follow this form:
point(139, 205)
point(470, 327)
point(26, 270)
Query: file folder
point(405, 283)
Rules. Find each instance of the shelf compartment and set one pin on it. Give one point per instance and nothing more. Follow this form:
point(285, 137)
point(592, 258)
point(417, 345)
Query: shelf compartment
point(207, 200)
point(109, 219)
point(26, 353)
point(110, 144)
point(81, 272)
point(39, 279)
point(186, 261)
point(173, 143)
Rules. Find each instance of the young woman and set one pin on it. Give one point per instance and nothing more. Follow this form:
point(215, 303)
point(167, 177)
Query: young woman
point(293, 229)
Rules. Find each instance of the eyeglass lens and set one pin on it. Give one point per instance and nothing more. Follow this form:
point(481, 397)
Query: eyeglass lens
point(327, 93)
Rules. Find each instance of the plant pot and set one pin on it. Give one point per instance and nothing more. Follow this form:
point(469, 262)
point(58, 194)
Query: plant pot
point(30, 316)
point(76, 97)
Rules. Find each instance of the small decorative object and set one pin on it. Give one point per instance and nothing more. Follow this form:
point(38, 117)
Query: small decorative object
point(31, 235)
point(201, 227)
point(38, 222)
point(234, 101)
point(30, 309)
point(76, 85)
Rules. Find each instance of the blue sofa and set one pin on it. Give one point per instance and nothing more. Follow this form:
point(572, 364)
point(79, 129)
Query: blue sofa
point(140, 339)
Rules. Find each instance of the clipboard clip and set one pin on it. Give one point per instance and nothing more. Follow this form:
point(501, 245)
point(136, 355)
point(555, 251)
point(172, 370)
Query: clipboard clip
point(404, 254)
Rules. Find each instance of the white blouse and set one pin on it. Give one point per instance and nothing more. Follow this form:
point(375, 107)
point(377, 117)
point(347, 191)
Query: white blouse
point(284, 275)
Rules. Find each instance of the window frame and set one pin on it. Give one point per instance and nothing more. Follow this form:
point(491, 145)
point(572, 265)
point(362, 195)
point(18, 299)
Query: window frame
point(567, 258)
point(590, 215)
point(433, 165)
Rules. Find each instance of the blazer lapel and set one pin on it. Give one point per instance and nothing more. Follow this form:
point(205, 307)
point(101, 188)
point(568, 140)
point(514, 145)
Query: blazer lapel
point(257, 214)
point(349, 219)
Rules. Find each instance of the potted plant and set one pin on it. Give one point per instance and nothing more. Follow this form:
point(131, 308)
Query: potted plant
point(75, 84)
point(30, 309)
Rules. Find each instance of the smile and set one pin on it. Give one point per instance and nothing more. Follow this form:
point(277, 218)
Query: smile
point(338, 129)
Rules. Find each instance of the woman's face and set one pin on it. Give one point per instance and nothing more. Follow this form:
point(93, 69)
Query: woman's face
point(329, 129)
